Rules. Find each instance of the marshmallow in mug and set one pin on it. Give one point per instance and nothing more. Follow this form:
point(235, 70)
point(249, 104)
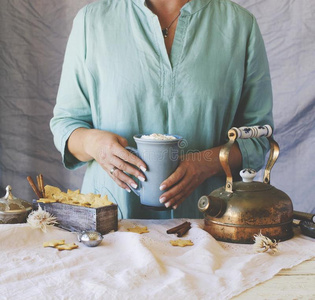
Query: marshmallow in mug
point(158, 136)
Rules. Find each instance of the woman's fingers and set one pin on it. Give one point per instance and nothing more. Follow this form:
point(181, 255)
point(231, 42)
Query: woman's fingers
point(126, 159)
point(114, 153)
point(119, 182)
point(177, 194)
point(187, 177)
point(120, 161)
point(117, 173)
point(109, 151)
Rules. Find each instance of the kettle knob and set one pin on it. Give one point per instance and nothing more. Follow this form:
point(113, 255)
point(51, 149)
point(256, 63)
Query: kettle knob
point(248, 175)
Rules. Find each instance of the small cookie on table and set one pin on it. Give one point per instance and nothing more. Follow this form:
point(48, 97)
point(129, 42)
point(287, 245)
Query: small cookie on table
point(67, 246)
point(181, 243)
point(53, 243)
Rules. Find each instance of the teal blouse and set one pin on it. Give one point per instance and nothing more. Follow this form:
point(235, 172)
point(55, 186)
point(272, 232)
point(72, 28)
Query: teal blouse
point(117, 76)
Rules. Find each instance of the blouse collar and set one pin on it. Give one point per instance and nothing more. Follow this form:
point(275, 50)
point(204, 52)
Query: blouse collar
point(188, 9)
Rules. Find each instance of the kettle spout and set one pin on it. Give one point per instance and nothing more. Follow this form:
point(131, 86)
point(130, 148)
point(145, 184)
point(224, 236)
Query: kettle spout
point(213, 206)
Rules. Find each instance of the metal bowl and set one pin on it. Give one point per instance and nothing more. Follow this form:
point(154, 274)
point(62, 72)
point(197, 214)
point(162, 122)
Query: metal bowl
point(90, 238)
point(13, 210)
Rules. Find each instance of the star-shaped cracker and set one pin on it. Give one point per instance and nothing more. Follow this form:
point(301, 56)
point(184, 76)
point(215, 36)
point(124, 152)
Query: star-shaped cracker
point(53, 243)
point(138, 229)
point(181, 243)
point(67, 246)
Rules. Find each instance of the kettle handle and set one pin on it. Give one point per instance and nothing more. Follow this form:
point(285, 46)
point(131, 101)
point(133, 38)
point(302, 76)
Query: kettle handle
point(246, 133)
point(252, 132)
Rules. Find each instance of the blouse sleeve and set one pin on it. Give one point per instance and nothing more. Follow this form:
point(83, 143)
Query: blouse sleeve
point(256, 100)
point(72, 108)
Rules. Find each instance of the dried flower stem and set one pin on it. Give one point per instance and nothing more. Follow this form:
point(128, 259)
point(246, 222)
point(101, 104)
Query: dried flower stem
point(41, 219)
point(263, 244)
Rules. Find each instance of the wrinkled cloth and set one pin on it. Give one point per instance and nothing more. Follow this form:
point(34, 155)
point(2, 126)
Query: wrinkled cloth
point(118, 77)
point(129, 265)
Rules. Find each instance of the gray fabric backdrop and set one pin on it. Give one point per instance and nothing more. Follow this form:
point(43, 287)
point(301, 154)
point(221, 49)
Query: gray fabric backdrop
point(33, 36)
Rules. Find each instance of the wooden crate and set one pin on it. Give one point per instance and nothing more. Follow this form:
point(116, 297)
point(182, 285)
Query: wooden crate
point(78, 218)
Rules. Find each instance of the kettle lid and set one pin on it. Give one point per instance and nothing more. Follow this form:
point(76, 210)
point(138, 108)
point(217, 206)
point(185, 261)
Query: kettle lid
point(248, 184)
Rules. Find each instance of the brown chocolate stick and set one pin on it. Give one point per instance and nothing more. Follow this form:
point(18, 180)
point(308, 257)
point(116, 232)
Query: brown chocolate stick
point(33, 186)
point(41, 186)
point(38, 183)
point(175, 229)
point(183, 230)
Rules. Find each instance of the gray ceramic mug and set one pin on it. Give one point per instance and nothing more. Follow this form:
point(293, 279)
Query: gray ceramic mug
point(162, 159)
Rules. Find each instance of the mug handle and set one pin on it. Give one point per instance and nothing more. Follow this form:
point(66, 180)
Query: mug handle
point(135, 152)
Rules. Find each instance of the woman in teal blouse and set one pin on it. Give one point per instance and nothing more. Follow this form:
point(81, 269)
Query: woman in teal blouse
point(206, 73)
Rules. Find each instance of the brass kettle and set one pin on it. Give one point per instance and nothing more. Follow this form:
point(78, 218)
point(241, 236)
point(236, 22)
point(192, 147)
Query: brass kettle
point(239, 210)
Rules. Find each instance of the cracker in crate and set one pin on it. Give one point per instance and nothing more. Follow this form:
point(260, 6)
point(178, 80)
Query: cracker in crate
point(54, 194)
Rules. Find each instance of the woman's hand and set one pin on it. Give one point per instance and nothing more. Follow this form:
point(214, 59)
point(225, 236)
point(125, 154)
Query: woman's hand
point(108, 149)
point(193, 170)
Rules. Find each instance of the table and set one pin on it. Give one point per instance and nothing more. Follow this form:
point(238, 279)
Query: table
point(295, 283)
point(146, 266)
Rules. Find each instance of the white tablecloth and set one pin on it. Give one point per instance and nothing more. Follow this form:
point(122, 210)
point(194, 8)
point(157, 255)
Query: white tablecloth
point(137, 266)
